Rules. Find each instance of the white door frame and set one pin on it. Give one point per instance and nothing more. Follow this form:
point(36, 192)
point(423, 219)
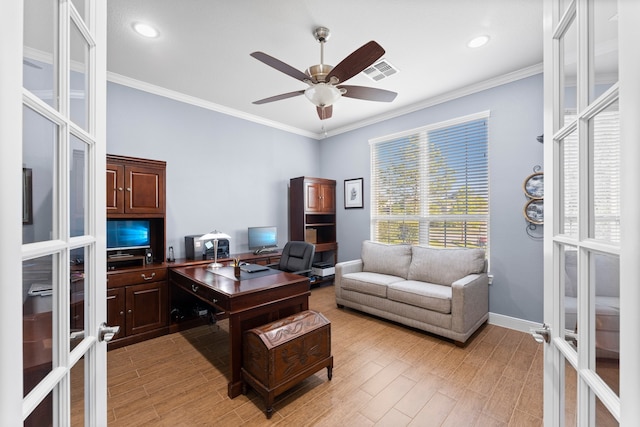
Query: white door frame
point(12, 405)
point(11, 213)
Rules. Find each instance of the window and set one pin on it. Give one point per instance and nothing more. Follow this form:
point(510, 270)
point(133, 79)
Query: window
point(430, 185)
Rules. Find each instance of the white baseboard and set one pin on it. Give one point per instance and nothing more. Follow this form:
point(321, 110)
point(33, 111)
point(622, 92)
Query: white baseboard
point(512, 322)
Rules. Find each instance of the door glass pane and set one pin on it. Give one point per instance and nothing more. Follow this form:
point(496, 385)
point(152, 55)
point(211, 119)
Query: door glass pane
point(76, 297)
point(79, 78)
point(605, 48)
point(570, 302)
point(605, 276)
point(603, 416)
point(569, 185)
point(39, 283)
point(605, 162)
point(77, 186)
point(80, 6)
point(570, 395)
point(77, 393)
point(40, 58)
point(40, 141)
point(42, 415)
point(568, 72)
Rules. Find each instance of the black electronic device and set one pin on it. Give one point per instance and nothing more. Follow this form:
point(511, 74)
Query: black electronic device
point(148, 256)
point(127, 234)
point(263, 239)
point(203, 249)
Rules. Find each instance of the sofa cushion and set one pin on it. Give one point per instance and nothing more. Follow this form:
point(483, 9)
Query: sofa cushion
point(420, 294)
point(369, 283)
point(444, 266)
point(381, 258)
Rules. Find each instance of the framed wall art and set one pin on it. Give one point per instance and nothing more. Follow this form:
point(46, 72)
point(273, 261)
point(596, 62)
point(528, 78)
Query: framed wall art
point(353, 193)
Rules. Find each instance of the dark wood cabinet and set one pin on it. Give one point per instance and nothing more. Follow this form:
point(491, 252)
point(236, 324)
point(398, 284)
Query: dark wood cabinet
point(137, 291)
point(135, 186)
point(320, 195)
point(137, 301)
point(312, 216)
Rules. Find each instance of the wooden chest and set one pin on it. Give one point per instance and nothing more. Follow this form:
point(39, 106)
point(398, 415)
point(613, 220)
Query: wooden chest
point(280, 354)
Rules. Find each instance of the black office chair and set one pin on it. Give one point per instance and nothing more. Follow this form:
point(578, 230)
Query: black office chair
point(297, 258)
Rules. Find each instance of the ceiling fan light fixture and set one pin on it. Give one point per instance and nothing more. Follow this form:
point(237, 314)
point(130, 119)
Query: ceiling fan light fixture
point(322, 94)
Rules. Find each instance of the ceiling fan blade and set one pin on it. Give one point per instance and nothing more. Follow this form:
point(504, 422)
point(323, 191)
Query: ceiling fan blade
point(280, 66)
point(360, 59)
point(279, 97)
point(325, 112)
point(368, 93)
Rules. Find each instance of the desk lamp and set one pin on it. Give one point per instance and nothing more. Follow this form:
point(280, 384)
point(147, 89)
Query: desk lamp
point(215, 235)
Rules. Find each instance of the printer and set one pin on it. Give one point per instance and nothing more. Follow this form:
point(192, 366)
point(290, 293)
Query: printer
point(204, 249)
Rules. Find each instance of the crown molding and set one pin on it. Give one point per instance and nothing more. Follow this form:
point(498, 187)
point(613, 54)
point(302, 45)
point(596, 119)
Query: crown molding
point(430, 102)
point(199, 102)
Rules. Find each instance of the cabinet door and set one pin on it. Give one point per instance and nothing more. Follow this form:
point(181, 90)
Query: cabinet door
point(312, 197)
point(115, 310)
point(115, 188)
point(146, 307)
point(328, 198)
point(144, 190)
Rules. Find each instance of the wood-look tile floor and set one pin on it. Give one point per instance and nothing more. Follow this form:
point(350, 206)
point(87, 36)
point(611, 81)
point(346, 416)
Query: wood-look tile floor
point(384, 375)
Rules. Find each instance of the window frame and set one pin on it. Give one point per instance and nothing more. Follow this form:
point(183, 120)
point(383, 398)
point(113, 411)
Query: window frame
point(423, 217)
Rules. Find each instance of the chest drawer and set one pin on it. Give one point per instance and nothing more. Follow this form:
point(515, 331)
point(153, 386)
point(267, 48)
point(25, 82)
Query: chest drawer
point(117, 279)
point(203, 292)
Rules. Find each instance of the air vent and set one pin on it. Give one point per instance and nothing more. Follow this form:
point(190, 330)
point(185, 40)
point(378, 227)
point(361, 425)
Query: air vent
point(380, 70)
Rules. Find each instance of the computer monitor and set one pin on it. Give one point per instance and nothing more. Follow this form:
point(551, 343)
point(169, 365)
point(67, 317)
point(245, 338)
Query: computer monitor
point(262, 239)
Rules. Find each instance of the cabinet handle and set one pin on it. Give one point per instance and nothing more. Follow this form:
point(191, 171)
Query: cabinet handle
point(128, 188)
point(122, 313)
point(214, 301)
point(130, 311)
point(144, 276)
point(194, 288)
point(119, 188)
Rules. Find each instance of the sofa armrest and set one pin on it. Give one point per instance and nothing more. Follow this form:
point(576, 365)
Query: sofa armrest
point(469, 301)
point(342, 268)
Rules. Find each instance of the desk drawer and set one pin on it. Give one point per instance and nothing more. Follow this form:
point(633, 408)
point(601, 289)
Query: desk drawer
point(118, 279)
point(201, 291)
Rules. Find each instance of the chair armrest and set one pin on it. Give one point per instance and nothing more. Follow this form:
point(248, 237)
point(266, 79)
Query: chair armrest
point(273, 265)
point(469, 301)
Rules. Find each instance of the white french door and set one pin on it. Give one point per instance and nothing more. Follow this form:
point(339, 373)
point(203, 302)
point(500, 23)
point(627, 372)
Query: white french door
point(53, 116)
point(591, 235)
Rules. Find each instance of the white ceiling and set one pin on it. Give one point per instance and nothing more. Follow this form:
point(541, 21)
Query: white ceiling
point(204, 45)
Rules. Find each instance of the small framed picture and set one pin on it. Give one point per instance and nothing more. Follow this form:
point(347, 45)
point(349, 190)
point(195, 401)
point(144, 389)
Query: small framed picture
point(534, 211)
point(353, 193)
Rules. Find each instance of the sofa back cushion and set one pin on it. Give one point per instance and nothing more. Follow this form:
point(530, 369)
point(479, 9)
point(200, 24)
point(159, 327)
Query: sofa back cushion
point(444, 266)
point(381, 258)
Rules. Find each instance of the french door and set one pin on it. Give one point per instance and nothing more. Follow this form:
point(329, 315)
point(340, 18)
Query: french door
point(592, 232)
point(53, 213)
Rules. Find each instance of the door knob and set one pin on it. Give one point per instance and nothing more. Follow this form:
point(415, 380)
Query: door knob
point(542, 334)
point(106, 333)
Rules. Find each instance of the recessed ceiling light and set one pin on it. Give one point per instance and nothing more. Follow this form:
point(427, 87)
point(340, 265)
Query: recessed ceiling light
point(478, 41)
point(145, 29)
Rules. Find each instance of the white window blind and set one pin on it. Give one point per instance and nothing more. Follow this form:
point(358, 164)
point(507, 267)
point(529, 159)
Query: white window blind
point(430, 185)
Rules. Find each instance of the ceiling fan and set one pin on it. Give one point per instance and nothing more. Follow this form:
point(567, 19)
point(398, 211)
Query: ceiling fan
point(325, 81)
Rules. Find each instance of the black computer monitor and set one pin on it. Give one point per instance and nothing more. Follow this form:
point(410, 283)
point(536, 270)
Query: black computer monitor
point(262, 238)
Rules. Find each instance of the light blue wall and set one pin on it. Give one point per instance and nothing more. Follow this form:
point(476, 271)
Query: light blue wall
point(222, 172)
point(229, 174)
point(516, 119)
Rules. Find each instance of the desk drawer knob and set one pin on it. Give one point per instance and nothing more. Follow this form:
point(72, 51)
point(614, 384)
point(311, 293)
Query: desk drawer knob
point(214, 301)
point(194, 288)
point(144, 276)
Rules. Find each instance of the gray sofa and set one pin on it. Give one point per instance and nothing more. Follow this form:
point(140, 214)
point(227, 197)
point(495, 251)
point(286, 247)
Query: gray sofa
point(442, 291)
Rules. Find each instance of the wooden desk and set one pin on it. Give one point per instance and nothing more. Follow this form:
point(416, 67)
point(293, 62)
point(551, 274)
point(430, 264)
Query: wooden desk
point(250, 302)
